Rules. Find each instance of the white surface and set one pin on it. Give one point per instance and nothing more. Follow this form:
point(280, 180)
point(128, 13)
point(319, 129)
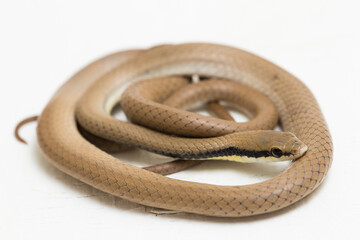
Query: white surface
point(43, 43)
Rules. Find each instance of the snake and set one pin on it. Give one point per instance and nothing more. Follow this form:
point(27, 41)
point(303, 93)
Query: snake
point(90, 95)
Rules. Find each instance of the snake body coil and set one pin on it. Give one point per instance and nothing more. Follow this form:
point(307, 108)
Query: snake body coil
point(99, 84)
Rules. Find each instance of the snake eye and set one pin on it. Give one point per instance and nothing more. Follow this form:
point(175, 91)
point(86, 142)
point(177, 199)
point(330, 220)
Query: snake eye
point(276, 152)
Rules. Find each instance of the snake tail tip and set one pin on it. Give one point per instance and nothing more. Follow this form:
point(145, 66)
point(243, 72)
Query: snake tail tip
point(22, 123)
point(20, 139)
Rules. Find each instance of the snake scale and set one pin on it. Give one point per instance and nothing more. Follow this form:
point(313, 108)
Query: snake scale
point(98, 84)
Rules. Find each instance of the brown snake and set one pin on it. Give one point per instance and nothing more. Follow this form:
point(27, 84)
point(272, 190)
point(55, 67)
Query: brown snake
point(98, 85)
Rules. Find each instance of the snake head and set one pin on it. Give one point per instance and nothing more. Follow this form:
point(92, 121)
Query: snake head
point(281, 146)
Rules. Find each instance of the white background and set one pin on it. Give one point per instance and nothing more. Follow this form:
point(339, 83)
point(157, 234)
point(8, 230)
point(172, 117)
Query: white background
point(42, 43)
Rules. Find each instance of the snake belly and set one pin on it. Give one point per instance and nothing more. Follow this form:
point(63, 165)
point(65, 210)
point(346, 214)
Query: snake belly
point(299, 113)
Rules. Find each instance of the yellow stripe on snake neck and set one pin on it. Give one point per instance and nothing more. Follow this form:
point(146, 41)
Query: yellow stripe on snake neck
point(244, 159)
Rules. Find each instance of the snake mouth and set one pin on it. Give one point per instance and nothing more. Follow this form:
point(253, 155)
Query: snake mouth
point(303, 150)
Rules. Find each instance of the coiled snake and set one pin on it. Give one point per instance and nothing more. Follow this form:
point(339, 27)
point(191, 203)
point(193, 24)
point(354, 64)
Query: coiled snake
point(93, 92)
